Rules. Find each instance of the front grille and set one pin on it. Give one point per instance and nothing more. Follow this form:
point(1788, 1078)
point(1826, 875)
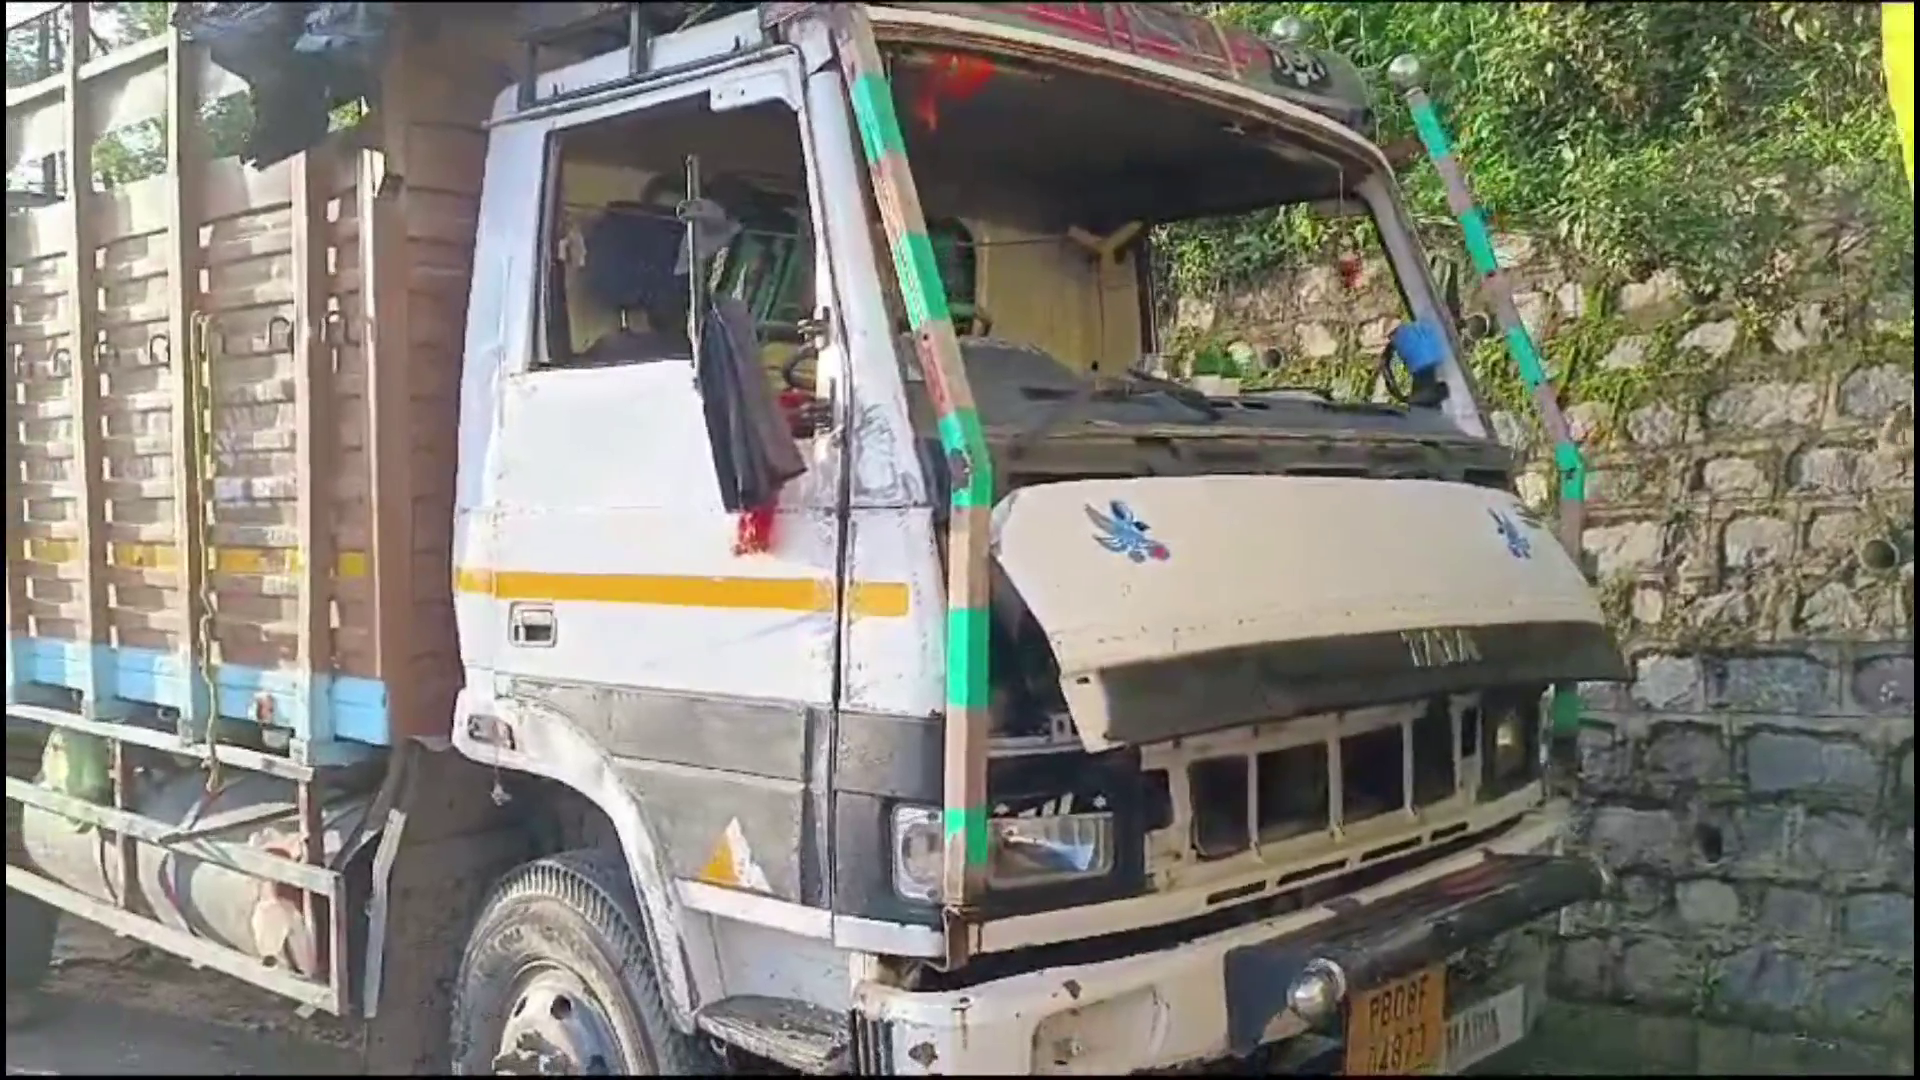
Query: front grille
point(1113, 946)
point(870, 1049)
point(1436, 775)
point(1239, 800)
point(1220, 820)
point(1291, 792)
point(1373, 775)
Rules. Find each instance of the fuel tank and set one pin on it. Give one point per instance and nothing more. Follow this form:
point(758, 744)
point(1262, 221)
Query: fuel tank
point(207, 899)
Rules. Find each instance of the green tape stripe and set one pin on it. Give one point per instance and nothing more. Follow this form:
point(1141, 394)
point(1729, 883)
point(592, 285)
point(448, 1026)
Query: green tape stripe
point(1427, 122)
point(967, 685)
point(880, 137)
point(971, 823)
point(1520, 344)
point(925, 298)
point(920, 286)
point(1573, 472)
point(1565, 711)
point(960, 434)
point(960, 430)
point(873, 113)
point(1479, 241)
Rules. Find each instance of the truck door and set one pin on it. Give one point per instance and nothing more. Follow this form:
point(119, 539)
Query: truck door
point(601, 572)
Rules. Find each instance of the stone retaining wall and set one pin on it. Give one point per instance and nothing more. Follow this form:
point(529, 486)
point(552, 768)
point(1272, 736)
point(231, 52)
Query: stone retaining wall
point(1751, 526)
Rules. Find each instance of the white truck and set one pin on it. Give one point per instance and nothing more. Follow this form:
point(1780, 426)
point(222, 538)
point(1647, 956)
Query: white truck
point(663, 550)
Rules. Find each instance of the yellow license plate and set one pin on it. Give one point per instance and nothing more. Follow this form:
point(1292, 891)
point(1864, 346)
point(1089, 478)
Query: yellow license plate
point(1399, 1027)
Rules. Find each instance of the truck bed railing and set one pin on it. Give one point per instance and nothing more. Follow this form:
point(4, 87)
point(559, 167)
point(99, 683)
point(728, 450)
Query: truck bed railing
point(286, 849)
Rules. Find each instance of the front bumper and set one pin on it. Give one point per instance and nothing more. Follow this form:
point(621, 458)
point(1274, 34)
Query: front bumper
point(1225, 995)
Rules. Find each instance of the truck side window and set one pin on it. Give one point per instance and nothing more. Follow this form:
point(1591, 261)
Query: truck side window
point(614, 285)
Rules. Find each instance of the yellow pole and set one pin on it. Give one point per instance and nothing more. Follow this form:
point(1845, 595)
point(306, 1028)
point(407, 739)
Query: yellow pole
point(1896, 43)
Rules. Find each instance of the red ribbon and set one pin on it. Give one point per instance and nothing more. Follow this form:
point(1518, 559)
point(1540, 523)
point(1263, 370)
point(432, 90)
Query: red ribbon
point(953, 78)
point(754, 534)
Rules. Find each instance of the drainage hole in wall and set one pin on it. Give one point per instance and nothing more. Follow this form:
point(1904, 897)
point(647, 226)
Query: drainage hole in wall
point(1711, 842)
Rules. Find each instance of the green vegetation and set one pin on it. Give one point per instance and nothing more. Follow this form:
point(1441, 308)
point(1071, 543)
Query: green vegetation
point(138, 150)
point(1211, 357)
point(1690, 136)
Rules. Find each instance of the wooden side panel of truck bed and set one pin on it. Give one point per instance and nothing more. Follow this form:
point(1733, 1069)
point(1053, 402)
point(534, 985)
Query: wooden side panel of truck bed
point(232, 421)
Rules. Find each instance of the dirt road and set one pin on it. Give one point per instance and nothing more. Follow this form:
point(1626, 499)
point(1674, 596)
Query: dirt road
point(116, 1008)
point(113, 1007)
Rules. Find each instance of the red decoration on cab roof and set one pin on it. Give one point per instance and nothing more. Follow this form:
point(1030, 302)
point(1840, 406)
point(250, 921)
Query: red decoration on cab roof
point(952, 78)
point(1159, 31)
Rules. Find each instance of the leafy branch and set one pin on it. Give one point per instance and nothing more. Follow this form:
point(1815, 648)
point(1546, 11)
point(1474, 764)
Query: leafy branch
point(40, 49)
point(1691, 136)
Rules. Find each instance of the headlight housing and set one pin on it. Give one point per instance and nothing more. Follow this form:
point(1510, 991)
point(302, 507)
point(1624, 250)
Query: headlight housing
point(1509, 746)
point(916, 853)
point(1022, 852)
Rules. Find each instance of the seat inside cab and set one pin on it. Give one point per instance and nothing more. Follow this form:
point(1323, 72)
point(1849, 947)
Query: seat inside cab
point(616, 240)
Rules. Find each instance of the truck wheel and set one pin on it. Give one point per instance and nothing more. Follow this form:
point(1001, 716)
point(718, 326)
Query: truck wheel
point(557, 978)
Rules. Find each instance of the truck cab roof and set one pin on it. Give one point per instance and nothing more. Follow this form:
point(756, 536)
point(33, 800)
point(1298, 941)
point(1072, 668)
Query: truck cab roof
point(311, 57)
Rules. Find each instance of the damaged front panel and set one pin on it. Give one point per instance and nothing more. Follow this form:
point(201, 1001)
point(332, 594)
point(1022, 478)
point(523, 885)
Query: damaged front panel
point(1180, 605)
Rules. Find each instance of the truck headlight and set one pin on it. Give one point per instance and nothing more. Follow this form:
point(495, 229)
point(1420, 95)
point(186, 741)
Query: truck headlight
point(1048, 850)
point(1509, 747)
point(916, 852)
point(1511, 752)
point(1022, 852)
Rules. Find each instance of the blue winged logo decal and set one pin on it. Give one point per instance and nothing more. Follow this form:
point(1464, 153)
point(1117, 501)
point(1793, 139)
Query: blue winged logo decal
point(1123, 533)
point(1518, 545)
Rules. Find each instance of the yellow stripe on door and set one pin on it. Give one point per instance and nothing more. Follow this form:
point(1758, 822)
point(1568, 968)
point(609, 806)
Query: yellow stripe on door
point(872, 599)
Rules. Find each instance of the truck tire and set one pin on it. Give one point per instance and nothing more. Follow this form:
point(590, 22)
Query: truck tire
point(557, 978)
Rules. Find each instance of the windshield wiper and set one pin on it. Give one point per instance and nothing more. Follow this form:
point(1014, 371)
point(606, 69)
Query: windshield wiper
point(1185, 395)
point(1093, 389)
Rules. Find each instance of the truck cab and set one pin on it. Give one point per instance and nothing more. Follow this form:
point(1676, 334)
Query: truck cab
point(883, 661)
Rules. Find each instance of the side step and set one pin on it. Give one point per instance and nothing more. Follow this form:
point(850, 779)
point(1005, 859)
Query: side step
point(802, 1037)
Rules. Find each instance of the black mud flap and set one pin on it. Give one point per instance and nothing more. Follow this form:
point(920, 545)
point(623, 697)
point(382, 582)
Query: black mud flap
point(1401, 934)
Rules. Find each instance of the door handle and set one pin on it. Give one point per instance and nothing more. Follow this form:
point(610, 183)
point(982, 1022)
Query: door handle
point(532, 626)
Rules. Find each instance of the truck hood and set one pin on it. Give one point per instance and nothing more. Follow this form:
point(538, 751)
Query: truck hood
point(1180, 605)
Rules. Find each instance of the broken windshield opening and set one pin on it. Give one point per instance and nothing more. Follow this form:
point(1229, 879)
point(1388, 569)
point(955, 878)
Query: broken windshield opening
point(1046, 229)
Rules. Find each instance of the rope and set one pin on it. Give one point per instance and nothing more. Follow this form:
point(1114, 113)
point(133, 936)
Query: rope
point(200, 400)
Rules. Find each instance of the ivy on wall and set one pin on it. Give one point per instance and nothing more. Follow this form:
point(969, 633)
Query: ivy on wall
point(1686, 136)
